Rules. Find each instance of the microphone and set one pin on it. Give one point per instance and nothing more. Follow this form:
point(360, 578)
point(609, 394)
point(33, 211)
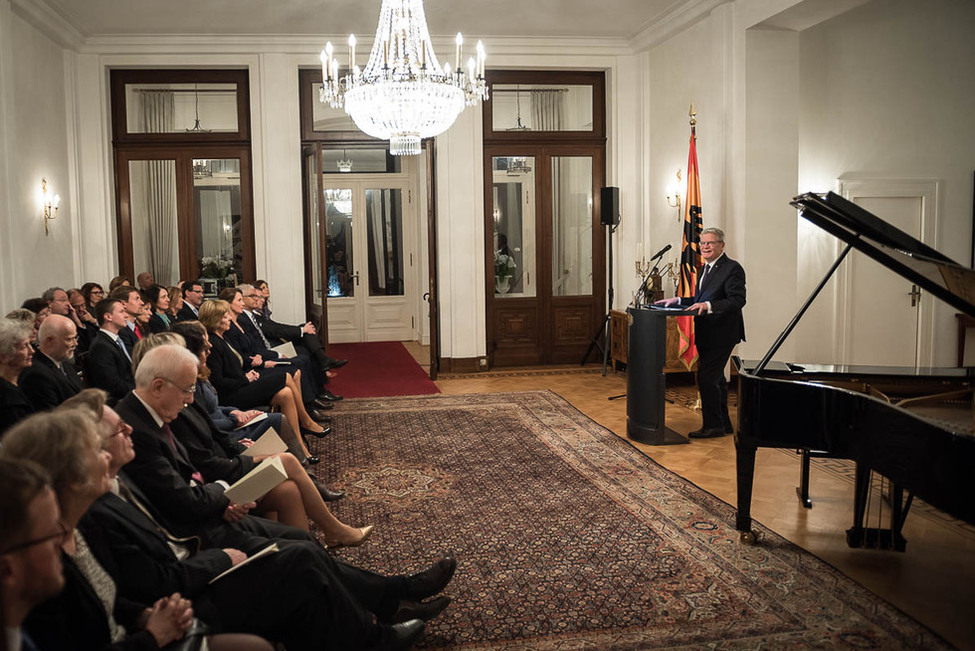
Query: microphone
point(660, 252)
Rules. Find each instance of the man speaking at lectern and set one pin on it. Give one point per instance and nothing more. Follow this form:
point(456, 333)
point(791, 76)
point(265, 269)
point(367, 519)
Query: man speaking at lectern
point(718, 327)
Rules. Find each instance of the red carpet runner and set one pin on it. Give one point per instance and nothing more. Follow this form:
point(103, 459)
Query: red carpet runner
point(377, 369)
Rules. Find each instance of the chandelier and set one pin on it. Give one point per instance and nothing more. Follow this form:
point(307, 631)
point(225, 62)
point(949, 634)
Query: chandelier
point(403, 94)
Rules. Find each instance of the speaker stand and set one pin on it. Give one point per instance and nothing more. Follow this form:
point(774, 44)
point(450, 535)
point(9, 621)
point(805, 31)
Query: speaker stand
point(604, 330)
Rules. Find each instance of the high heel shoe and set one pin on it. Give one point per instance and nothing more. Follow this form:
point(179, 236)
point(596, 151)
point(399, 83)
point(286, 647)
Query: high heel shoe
point(310, 460)
point(365, 531)
point(319, 435)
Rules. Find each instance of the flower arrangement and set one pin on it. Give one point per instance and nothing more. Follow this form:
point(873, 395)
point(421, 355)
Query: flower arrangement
point(215, 266)
point(504, 265)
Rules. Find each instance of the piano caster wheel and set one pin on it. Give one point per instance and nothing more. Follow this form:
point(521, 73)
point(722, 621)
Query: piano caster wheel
point(747, 538)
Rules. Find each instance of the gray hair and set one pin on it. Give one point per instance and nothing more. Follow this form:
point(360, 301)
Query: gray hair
point(163, 362)
point(717, 232)
point(21, 314)
point(246, 287)
point(48, 295)
point(155, 340)
point(12, 333)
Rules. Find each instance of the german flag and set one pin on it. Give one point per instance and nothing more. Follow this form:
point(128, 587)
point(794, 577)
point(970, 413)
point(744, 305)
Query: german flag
point(690, 257)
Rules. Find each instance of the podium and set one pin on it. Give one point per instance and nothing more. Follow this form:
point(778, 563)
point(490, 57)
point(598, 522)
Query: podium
point(645, 379)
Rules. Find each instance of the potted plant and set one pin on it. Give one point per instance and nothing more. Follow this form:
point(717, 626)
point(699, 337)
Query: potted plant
point(504, 270)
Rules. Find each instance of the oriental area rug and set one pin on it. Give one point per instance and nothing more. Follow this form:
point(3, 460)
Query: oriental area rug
point(569, 538)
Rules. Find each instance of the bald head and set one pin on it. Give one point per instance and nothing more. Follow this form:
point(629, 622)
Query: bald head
point(166, 379)
point(57, 337)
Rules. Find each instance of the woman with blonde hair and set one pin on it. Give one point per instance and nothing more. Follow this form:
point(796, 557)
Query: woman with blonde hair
point(89, 613)
point(250, 389)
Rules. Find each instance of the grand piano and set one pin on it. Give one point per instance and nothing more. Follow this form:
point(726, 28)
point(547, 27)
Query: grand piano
point(913, 427)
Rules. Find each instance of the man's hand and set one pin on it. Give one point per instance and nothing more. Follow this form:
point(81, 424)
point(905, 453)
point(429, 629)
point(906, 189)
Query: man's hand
point(308, 328)
point(236, 556)
point(236, 512)
point(702, 308)
point(667, 302)
point(246, 442)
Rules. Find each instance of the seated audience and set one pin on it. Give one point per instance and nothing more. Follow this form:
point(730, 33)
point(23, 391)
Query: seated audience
point(233, 422)
point(118, 281)
point(192, 293)
point(249, 390)
point(80, 307)
point(265, 290)
point(109, 364)
point(52, 377)
point(142, 320)
point(15, 355)
point(41, 311)
point(84, 610)
point(93, 293)
point(145, 280)
point(299, 595)
point(175, 303)
point(217, 459)
point(59, 303)
point(158, 299)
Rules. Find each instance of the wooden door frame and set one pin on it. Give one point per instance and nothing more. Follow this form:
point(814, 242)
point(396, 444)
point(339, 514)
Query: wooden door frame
point(315, 149)
point(183, 156)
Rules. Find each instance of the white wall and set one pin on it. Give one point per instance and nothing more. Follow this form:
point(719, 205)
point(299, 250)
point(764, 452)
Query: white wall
point(888, 91)
point(34, 147)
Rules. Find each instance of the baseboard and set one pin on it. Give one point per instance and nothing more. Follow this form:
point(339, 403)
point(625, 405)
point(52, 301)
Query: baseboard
point(462, 364)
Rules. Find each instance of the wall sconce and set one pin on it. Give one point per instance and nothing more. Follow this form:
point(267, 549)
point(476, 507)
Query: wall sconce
point(673, 193)
point(49, 205)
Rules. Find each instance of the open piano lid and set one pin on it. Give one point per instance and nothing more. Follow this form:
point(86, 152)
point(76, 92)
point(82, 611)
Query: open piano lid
point(891, 247)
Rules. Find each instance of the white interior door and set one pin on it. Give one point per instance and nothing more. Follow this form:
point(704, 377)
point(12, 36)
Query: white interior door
point(371, 259)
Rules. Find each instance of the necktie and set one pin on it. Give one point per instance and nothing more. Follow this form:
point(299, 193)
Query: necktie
point(197, 477)
point(121, 345)
point(126, 494)
point(704, 274)
point(267, 344)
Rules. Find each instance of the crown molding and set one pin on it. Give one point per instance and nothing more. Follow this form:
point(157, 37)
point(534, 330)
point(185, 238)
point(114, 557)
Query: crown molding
point(673, 21)
point(50, 22)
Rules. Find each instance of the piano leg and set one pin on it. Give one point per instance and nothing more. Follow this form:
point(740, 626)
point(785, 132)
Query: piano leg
point(802, 490)
point(855, 534)
point(859, 536)
point(745, 466)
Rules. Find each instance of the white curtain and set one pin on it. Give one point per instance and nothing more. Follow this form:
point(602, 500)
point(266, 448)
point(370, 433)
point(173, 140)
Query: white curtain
point(217, 221)
point(158, 113)
point(548, 114)
point(378, 214)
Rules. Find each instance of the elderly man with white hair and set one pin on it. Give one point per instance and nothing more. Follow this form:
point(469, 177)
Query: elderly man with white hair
point(52, 378)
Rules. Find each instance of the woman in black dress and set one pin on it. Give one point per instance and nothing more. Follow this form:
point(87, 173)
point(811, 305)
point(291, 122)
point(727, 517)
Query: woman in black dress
point(15, 355)
point(249, 389)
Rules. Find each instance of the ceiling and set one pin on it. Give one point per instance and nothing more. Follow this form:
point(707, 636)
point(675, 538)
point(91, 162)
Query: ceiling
point(624, 19)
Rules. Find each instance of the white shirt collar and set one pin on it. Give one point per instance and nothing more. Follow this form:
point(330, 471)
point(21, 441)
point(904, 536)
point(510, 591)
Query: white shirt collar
point(112, 335)
point(152, 412)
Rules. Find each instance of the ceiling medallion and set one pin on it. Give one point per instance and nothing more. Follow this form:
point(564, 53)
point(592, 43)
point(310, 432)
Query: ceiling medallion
point(403, 94)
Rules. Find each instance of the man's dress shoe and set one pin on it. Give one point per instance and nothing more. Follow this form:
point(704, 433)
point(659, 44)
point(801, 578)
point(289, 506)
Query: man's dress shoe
point(425, 610)
point(335, 363)
point(328, 395)
point(319, 417)
point(321, 403)
point(430, 581)
point(400, 637)
point(707, 433)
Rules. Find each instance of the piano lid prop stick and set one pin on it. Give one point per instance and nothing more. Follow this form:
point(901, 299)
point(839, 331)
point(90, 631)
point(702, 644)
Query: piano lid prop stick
point(802, 310)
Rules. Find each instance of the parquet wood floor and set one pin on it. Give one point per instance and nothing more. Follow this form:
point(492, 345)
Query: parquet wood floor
point(933, 581)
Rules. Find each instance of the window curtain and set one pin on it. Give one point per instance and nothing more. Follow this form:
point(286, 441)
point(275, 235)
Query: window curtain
point(216, 220)
point(158, 116)
point(378, 210)
point(548, 114)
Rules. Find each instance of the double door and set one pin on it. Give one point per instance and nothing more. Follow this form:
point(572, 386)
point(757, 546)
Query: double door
point(363, 261)
point(545, 253)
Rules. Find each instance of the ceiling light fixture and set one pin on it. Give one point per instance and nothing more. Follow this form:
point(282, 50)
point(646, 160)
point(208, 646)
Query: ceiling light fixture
point(344, 164)
point(403, 94)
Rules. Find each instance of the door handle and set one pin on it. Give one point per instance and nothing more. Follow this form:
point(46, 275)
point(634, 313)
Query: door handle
point(915, 295)
point(426, 297)
point(356, 278)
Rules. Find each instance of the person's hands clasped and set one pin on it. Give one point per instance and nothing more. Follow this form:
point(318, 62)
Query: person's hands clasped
point(169, 618)
point(252, 376)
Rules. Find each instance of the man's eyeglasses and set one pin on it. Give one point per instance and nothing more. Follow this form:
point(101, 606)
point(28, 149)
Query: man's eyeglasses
point(123, 429)
point(60, 537)
point(187, 391)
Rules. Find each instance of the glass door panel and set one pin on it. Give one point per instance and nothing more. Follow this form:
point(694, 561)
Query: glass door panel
point(219, 242)
point(384, 221)
point(314, 229)
point(513, 212)
point(153, 214)
point(339, 245)
point(572, 225)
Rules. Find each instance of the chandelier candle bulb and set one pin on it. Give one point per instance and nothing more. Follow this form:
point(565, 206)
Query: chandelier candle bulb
point(351, 51)
point(470, 68)
point(324, 58)
point(480, 59)
point(460, 42)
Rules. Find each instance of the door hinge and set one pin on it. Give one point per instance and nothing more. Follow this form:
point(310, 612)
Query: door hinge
point(412, 321)
point(411, 259)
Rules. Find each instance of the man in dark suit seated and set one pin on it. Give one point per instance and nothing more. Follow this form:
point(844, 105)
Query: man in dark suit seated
point(131, 300)
point(304, 338)
point(192, 300)
point(109, 364)
point(59, 302)
point(52, 378)
point(718, 327)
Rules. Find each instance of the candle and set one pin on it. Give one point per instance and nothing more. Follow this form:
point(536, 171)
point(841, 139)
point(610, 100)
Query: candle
point(385, 52)
point(480, 59)
point(639, 251)
point(324, 58)
point(459, 41)
point(470, 68)
point(351, 51)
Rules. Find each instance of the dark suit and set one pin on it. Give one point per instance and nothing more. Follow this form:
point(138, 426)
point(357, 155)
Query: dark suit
point(246, 338)
point(163, 472)
point(75, 620)
point(158, 323)
point(299, 595)
point(186, 313)
point(716, 334)
point(14, 405)
point(108, 368)
point(129, 337)
point(47, 387)
point(208, 449)
point(305, 343)
point(228, 378)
